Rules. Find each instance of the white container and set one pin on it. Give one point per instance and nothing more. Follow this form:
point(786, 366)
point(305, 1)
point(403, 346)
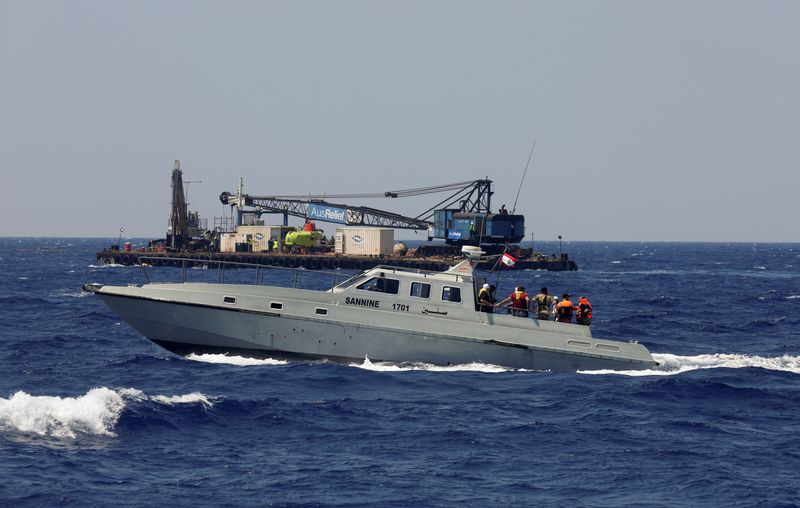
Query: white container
point(259, 236)
point(227, 242)
point(256, 236)
point(364, 241)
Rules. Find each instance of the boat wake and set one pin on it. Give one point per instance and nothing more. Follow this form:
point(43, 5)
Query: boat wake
point(233, 360)
point(406, 366)
point(670, 365)
point(94, 414)
point(367, 364)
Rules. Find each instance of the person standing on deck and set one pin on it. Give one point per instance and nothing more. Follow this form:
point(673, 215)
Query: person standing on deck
point(583, 314)
point(564, 310)
point(519, 302)
point(541, 305)
point(486, 299)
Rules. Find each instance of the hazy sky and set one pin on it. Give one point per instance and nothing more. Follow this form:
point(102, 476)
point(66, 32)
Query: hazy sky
point(672, 120)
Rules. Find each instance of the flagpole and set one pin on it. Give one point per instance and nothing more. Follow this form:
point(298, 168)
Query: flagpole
point(501, 263)
point(498, 262)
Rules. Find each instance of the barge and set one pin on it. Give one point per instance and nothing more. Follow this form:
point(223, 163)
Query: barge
point(322, 261)
point(364, 236)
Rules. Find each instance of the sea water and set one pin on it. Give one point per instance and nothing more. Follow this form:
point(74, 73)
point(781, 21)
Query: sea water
point(93, 414)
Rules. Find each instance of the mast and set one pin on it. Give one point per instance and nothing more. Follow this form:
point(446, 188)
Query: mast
point(178, 219)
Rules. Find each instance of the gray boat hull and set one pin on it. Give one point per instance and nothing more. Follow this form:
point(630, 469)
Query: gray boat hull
point(200, 324)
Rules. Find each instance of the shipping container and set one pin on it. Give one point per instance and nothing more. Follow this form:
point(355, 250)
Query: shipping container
point(364, 241)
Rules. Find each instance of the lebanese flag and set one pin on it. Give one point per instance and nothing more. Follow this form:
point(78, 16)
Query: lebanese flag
point(508, 259)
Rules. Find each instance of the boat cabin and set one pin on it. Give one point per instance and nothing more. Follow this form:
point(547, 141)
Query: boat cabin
point(455, 288)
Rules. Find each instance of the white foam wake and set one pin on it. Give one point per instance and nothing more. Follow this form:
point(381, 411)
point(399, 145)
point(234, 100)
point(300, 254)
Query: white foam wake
point(233, 360)
point(670, 365)
point(367, 364)
point(394, 367)
point(189, 398)
point(71, 294)
point(95, 413)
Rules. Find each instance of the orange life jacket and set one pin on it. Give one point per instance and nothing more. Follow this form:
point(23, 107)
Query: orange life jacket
point(584, 308)
point(564, 309)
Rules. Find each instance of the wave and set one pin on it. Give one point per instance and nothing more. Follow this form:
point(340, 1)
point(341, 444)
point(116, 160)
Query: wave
point(70, 293)
point(233, 360)
point(401, 367)
point(96, 413)
point(793, 297)
point(764, 322)
point(189, 398)
point(669, 364)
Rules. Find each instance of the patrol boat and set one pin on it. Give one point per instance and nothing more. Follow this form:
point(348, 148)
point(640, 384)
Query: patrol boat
point(385, 313)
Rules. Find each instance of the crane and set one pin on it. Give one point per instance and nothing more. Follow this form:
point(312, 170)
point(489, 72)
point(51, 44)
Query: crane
point(468, 202)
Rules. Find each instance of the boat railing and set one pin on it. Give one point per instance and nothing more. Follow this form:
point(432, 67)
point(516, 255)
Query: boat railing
point(299, 276)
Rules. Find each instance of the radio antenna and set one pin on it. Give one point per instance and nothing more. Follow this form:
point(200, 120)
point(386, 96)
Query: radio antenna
point(523, 176)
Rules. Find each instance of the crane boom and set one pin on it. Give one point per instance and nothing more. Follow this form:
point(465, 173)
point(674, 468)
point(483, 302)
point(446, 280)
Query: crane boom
point(469, 196)
point(332, 212)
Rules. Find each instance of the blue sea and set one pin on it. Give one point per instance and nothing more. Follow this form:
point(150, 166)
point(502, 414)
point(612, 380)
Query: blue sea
point(93, 414)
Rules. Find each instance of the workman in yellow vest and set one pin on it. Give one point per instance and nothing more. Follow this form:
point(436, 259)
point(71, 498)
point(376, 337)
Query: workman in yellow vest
point(486, 299)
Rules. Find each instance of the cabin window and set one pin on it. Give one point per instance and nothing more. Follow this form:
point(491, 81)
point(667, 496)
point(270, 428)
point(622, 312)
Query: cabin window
point(451, 294)
point(229, 299)
point(321, 312)
point(420, 290)
point(275, 305)
point(381, 285)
